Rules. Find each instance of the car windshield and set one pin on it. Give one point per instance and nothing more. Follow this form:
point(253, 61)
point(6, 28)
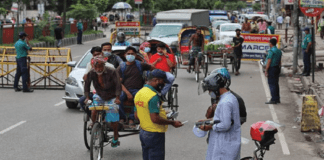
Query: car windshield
point(230, 27)
point(216, 24)
point(85, 61)
point(165, 30)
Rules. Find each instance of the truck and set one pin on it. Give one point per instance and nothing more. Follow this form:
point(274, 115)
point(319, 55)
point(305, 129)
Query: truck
point(169, 23)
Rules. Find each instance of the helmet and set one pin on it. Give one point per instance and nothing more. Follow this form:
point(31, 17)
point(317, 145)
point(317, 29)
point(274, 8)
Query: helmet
point(220, 77)
point(264, 131)
point(121, 37)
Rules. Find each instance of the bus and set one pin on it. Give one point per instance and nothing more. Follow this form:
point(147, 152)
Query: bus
point(217, 15)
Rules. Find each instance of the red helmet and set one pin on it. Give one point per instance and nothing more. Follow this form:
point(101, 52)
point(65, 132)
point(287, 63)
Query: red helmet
point(263, 131)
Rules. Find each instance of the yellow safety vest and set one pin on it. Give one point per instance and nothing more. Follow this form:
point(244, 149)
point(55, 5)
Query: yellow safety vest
point(142, 99)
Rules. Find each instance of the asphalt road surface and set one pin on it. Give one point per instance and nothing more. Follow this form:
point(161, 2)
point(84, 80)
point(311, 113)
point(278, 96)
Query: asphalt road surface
point(38, 126)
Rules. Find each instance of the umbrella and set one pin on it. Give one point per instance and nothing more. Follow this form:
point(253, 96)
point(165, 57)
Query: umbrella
point(122, 5)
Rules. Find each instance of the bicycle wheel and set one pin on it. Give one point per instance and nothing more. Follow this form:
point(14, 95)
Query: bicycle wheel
point(197, 70)
point(86, 132)
point(204, 65)
point(96, 143)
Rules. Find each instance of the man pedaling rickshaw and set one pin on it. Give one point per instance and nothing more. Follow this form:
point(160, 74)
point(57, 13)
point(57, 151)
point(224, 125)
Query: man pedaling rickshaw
point(164, 61)
point(107, 91)
point(198, 42)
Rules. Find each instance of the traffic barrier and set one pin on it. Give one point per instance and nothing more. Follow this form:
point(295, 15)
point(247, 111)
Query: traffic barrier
point(48, 67)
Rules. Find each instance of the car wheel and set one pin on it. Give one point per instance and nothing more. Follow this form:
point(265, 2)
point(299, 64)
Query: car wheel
point(71, 105)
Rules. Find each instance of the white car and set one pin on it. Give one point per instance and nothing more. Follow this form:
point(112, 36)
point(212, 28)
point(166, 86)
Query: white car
point(227, 30)
point(74, 83)
point(165, 32)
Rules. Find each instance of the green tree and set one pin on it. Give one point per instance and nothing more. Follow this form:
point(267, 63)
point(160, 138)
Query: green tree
point(3, 11)
point(256, 6)
point(219, 5)
point(241, 5)
point(100, 4)
point(231, 6)
point(80, 11)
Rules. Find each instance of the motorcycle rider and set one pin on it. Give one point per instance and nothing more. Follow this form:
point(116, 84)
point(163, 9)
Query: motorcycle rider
point(225, 136)
point(121, 40)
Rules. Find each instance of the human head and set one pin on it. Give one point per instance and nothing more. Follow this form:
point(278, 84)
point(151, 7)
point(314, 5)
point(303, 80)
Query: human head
point(261, 20)
point(218, 79)
point(238, 32)
point(306, 30)
point(130, 54)
point(144, 45)
point(273, 42)
point(98, 64)
point(96, 51)
point(198, 30)
point(160, 47)
point(121, 37)
point(269, 23)
point(157, 79)
point(22, 35)
point(106, 49)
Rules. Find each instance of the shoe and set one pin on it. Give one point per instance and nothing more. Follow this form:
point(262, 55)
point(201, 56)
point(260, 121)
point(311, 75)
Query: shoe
point(237, 73)
point(17, 89)
point(271, 102)
point(189, 70)
point(278, 101)
point(28, 91)
point(306, 74)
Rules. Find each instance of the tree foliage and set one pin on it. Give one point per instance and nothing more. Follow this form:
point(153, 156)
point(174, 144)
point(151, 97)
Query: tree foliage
point(219, 5)
point(3, 11)
point(231, 6)
point(83, 11)
point(256, 6)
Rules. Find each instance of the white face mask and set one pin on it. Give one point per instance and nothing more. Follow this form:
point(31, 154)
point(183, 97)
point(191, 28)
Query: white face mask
point(160, 53)
point(107, 54)
point(212, 95)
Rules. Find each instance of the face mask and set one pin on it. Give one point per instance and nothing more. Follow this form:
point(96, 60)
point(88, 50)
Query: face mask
point(147, 49)
point(212, 95)
point(160, 53)
point(107, 54)
point(159, 87)
point(130, 58)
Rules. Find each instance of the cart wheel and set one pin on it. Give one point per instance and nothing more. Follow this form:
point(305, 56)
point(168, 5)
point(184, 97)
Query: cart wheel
point(96, 144)
point(86, 132)
point(233, 65)
point(175, 98)
point(206, 70)
point(197, 70)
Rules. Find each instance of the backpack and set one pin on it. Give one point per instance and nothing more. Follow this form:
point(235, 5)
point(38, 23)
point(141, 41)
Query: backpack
point(123, 67)
point(242, 107)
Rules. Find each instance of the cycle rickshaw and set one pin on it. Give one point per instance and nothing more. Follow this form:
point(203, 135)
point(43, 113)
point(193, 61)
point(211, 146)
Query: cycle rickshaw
point(184, 50)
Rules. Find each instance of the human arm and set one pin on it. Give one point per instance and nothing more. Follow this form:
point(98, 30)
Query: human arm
point(87, 84)
point(203, 43)
point(190, 41)
point(268, 64)
point(117, 82)
point(170, 63)
point(225, 117)
point(309, 44)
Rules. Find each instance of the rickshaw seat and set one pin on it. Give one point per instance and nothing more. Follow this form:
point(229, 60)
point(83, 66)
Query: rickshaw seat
point(184, 49)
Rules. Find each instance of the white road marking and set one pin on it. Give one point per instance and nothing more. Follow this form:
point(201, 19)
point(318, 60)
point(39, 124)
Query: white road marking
point(281, 136)
point(60, 103)
point(12, 127)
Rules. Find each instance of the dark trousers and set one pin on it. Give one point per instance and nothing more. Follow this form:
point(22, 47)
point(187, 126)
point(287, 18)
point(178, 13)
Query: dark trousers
point(79, 38)
point(279, 26)
point(153, 145)
point(238, 62)
point(22, 71)
point(82, 104)
point(273, 81)
point(307, 61)
point(123, 97)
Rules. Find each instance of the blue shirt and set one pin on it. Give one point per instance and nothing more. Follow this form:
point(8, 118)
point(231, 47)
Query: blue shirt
point(125, 43)
point(21, 48)
point(154, 21)
point(306, 41)
point(275, 56)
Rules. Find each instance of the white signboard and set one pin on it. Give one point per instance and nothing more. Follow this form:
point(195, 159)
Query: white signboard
point(14, 7)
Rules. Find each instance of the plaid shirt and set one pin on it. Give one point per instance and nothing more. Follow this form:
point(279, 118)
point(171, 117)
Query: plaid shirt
point(21, 48)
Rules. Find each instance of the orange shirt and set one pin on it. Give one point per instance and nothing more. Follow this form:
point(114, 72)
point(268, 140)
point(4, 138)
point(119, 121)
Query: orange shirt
point(163, 64)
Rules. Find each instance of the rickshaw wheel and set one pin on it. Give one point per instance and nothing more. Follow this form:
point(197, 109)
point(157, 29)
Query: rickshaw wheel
point(86, 132)
point(96, 144)
point(205, 66)
point(197, 70)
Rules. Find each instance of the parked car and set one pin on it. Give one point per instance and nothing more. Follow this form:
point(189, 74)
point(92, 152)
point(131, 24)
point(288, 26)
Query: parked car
point(215, 24)
point(74, 83)
point(227, 30)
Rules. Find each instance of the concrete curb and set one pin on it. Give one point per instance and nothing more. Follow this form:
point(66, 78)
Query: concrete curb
point(69, 41)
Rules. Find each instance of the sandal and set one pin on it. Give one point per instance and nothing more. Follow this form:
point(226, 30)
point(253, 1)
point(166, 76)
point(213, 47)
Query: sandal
point(189, 70)
point(115, 143)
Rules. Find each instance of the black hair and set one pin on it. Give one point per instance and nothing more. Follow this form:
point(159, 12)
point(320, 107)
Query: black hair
point(130, 48)
point(273, 41)
point(95, 49)
point(106, 44)
point(269, 23)
point(161, 45)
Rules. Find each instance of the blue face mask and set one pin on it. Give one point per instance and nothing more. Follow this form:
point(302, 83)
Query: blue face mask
point(106, 54)
point(130, 58)
point(147, 49)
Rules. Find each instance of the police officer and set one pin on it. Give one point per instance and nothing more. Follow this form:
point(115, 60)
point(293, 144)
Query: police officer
point(307, 51)
point(273, 70)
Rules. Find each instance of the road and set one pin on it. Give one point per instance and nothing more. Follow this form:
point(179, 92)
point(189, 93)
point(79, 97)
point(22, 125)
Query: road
point(38, 126)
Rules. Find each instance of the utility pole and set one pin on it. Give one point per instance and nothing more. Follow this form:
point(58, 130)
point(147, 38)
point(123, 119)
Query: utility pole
point(295, 48)
point(64, 16)
point(18, 10)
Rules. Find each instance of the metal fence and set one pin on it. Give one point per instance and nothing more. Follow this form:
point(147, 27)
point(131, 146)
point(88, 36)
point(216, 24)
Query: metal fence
point(9, 33)
point(48, 67)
